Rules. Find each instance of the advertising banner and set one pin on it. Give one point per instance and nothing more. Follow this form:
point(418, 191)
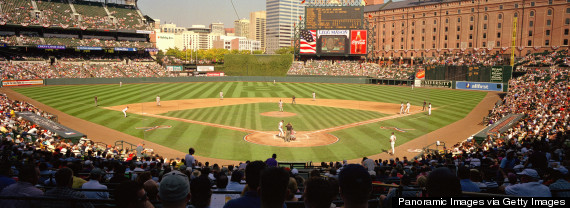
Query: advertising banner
point(486, 86)
point(205, 68)
point(89, 48)
point(358, 41)
point(215, 74)
point(125, 49)
point(51, 47)
point(332, 32)
point(22, 82)
point(151, 49)
point(174, 68)
point(421, 74)
point(333, 44)
point(437, 83)
point(144, 32)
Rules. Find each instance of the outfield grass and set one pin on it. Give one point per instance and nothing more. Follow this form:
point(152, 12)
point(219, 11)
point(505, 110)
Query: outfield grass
point(356, 142)
point(248, 116)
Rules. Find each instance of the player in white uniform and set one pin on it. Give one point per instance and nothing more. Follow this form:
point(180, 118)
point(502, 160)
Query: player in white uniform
point(158, 100)
point(120, 84)
point(281, 133)
point(280, 106)
point(125, 111)
point(429, 109)
point(402, 108)
point(392, 142)
point(221, 95)
point(407, 107)
point(314, 96)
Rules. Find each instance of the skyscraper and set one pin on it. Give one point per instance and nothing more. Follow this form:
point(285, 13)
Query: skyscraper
point(257, 27)
point(281, 14)
point(217, 28)
point(242, 28)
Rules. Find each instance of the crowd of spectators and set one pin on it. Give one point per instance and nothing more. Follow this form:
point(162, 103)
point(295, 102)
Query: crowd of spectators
point(71, 42)
point(24, 70)
point(55, 13)
point(17, 12)
point(546, 59)
point(475, 59)
point(349, 68)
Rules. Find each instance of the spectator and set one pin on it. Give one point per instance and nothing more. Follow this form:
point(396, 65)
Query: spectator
point(319, 193)
point(560, 187)
point(355, 186)
point(27, 179)
point(292, 187)
point(4, 173)
point(369, 165)
point(151, 188)
point(273, 187)
point(235, 180)
point(222, 181)
point(465, 181)
point(201, 192)
point(64, 180)
point(131, 194)
point(174, 190)
point(529, 186)
point(441, 182)
point(250, 198)
point(189, 159)
point(407, 191)
point(271, 162)
point(94, 178)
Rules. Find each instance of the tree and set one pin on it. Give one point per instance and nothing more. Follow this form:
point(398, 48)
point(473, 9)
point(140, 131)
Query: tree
point(285, 50)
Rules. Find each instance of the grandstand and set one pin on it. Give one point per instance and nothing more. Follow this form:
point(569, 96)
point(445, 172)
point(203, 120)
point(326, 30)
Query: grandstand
point(93, 15)
point(127, 17)
point(56, 13)
point(18, 12)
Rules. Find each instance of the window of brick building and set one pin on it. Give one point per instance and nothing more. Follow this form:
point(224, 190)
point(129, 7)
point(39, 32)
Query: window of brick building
point(457, 37)
point(458, 28)
point(423, 30)
point(446, 29)
point(470, 27)
point(472, 10)
point(457, 45)
point(392, 40)
point(546, 42)
point(498, 35)
point(459, 19)
point(402, 24)
point(532, 13)
point(484, 26)
point(446, 20)
point(549, 2)
point(498, 25)
point(498, 43)
point(434, 30)
point(485, 17)
point(412, 33)
point(470, 36)
point(423, 47)
point(532, 3)
point(459, 11)
point(547, 32)
point(516, 6)
point(423, 38)
point(548, 22)
point(565, 42)
point(567, 21)
point(529, 43)
point(471, 18)
point(567, 10)
point(470, 44)
point(566, 31)
point(484, 44)
point(530, 33)
point(445, 45)
point(435, 22)
point(392, 32)
point(549, 12)
point(531, 23)
point(501, 7)
point(500, 16)
point(486, 8)
point(484, 35)
point(433, 38)
point(401, 39)
point(445, 37)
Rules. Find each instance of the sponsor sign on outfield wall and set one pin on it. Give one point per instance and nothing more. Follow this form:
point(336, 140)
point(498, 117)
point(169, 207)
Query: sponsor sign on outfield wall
point(437, 83)
point(215, 74)
point(486, 86)
point(497, 74)
point(421, 74)
point(89, 48)
point(22, 82)
point(358, 42)
point(51, 47)
point(173, 68)
point(205, 68)
point(125, 49)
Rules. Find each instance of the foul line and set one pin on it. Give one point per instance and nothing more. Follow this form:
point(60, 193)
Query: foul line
point(336, 128)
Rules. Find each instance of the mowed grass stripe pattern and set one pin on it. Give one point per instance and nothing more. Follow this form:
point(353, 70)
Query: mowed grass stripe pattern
point(308, 118)
point(365, 140)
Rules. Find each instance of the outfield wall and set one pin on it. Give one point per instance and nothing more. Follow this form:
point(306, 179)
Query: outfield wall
point(87, 81)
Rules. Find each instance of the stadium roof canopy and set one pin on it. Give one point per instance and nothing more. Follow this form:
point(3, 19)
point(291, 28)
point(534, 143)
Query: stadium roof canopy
point(390, 5)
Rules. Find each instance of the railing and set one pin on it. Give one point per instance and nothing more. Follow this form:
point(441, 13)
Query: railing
point(122, 143)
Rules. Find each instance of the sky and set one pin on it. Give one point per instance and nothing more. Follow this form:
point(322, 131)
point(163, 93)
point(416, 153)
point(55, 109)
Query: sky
point(199, 12)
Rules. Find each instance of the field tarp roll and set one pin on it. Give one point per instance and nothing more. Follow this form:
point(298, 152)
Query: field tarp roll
point(59, 129)
point(500, 126)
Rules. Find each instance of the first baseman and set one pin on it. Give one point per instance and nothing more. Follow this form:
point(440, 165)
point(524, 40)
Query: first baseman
point(280, 106)
point(314, 96)
point(429, 109)
point(158, 100)
point(402, 108)
point(96, 101)
point(221, 95)
point(407, 107)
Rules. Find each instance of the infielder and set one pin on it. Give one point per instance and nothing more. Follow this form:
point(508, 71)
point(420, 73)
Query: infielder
point(392, 142)
point(293, 102)
point(424, 107)
point(125, 111)
point(402, 108)
point(96, 101)
point(221, 95)
point(281, 133)
point(314, 96)
point(158, 100)
point(120, 84)
point(429, 109)
point(407, 107)
point(280, 106)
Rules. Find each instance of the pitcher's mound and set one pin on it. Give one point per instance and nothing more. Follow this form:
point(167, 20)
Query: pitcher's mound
point(278, 114)
point(303, 139)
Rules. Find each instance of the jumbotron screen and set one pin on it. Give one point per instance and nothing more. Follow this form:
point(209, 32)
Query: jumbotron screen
point(334, 18)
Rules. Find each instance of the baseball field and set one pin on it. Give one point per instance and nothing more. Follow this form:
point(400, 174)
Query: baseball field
point(346, 121)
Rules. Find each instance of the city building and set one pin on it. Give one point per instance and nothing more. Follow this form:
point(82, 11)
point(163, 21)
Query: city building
point(237, 43)
point(242, 28)
point(281, 16)
point(414, 28)
point(217, 28)
point(257, 27)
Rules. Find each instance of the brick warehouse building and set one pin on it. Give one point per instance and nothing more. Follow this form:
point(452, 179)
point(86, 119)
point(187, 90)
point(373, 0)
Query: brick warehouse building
point(429, 28)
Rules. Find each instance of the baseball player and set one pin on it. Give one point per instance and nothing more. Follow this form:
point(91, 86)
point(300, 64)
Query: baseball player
point(281, 133)
point(392, 142)
point(158, 100)
point(280, 106)
point(273, 82)
point(221, 95)
point(402, 108)
point(120, 84)
point(96, 101)
point(293, 102)
point(314, 96)
point(424, 107)
point(429, 109)
point(125, 111)
point(407, 107)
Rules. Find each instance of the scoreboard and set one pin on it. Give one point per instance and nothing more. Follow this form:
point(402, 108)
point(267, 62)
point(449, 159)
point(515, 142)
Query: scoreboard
point(334, 18)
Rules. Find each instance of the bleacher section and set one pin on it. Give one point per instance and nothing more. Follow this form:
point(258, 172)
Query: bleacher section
point(127, 17)
point(9, 40)
point(17, 12)
point(93, 15)
point(30, 41)
point(63, 41)
point(56, 13)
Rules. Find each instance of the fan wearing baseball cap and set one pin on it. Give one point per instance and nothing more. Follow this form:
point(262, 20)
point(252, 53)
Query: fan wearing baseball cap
point(529, 186)
point(174, 190)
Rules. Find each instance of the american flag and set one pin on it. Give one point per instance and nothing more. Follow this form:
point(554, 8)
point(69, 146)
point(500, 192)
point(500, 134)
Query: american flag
point(308, 41)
